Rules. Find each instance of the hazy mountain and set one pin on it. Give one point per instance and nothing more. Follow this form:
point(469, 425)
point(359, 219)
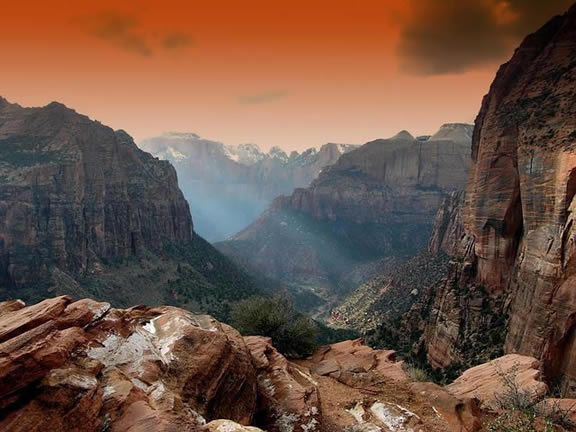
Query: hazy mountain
point(373, 208)
point(229, 186)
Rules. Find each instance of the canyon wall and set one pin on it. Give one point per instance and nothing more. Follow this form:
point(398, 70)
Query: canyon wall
point(513, 268)
point(84, 211)
point(73, 192)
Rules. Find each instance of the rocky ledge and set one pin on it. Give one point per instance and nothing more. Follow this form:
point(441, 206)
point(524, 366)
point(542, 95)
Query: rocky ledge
point(83, 366)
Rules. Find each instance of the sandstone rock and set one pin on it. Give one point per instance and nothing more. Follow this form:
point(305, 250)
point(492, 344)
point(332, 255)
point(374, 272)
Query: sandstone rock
point(511, 285)
point(561, 408)
point(83, 210)
point(10, 306)
point(18, 321)
point(347, 359)
point(379, 416)
point(289, 398)
point(448, 230)
point(228, 426)
point(81, 366)
point(462, 414)
point(487, 381)
point(75, 192)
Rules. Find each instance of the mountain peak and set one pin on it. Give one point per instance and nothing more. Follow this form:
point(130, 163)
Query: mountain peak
point(180, 135)
point(277, 153)
point(460, 132)
point(403, 135)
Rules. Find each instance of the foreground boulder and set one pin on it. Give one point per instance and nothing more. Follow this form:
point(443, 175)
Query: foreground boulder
point(353, 360)
point(83, 366)
point(488, 381)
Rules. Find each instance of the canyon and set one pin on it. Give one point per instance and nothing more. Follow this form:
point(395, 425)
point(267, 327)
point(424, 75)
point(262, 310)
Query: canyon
point(372, 209)
point(229, 186)
point(452, 255)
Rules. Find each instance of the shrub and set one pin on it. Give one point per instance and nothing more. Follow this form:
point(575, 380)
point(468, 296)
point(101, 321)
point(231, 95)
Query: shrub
point(417, 374)
point(521, 411)
point(293, 334)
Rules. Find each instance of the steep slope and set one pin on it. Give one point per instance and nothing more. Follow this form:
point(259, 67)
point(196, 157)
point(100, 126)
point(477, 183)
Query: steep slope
point(371, 209)
point(84, 211)
point(229, 186)
point(511, 283)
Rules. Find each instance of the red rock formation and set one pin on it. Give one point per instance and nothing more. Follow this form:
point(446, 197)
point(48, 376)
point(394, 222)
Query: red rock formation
point(344, 359)
point(488, 381)
point(516, 249)
point(289, 398)
point(74, 192)
point(82, 366)
point(399, 179)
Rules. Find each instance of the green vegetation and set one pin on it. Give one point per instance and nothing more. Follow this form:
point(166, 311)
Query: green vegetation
point(416, 373)
point(293, 334)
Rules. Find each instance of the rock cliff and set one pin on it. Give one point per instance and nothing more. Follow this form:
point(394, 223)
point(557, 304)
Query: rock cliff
point(373, 208)
point(84, 211)
point(511, 284)
point(229, 186)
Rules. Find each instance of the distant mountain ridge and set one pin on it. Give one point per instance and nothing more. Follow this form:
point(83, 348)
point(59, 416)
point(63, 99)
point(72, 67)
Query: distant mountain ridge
point(373, 208)
point(228, 186)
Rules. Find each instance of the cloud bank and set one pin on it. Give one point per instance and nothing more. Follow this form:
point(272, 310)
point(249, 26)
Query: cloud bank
point(124, 31)
point(455, 36)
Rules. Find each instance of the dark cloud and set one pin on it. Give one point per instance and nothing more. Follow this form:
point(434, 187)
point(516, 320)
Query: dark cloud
point(454, 36)
point(122, 30)
point(264, 97)
point(127, 33)
point(176, 40)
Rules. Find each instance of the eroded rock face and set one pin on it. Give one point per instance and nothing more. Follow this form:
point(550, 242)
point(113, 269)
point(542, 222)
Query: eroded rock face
point(353, 361)
point(514, 256)
point(289, 399)
point(488, 381)
point(83, 366)
point(74, 192)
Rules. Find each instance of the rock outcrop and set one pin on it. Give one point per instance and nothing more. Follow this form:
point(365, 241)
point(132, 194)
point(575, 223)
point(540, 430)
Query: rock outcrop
point(229, 186)
point(84, 211)
point(373, 208)
point(84, 366)
point(289, 397)
point(488, 381)
point(511, 284)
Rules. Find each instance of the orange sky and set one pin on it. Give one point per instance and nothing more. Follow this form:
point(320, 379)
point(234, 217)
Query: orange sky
point(289, 73)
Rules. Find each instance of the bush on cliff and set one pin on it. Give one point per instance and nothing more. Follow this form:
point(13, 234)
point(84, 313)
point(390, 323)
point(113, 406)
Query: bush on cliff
point(292, 333)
